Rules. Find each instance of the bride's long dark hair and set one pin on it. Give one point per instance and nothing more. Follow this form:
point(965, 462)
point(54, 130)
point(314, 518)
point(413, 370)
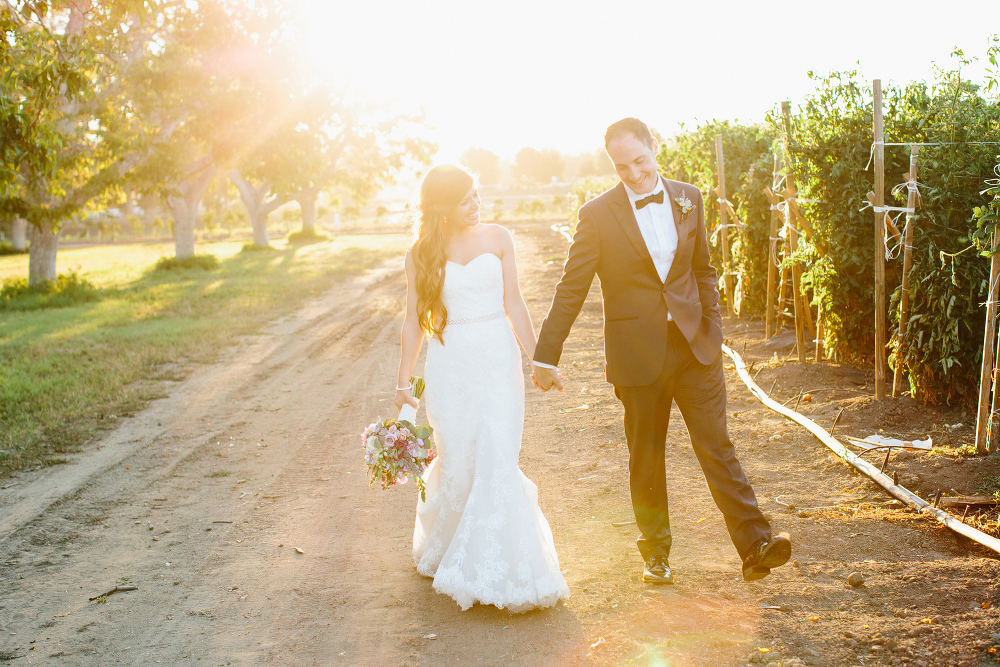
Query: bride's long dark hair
point(442, 190)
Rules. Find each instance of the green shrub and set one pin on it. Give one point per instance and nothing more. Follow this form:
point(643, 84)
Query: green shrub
point(306, 236)
point(68, 289)
point(830, 150)
point(253, 247)
point(942, 350)
point(206, 262)
point(6, 248)
point(691, 157)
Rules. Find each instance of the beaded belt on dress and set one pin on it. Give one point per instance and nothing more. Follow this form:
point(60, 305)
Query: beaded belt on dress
point(480, 318)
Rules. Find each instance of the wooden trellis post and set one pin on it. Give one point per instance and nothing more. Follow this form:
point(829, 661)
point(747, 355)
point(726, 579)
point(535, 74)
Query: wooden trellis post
point(879, 155)
point(986, 377)
point(819, 330)
point(786, 278)
point(793, 239)
point(723, 225)
point(772, 242)
point(793, 245)
point(904, 297)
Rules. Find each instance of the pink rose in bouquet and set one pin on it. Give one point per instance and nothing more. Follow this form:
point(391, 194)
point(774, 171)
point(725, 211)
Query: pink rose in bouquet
point(396, 448)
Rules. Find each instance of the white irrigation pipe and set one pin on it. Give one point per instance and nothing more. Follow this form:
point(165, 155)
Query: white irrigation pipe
point(908, 497)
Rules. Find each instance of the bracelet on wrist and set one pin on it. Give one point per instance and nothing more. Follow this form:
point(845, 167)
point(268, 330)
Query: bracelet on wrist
point(402, 388)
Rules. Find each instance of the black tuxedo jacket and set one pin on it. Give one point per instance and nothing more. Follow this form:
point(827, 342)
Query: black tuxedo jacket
point(608, 243)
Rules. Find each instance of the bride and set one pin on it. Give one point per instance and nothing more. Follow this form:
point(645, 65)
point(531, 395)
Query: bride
point(480, 534)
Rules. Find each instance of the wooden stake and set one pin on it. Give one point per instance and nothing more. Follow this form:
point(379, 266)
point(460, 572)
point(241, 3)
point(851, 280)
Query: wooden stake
point(986, 377)
point(993, 431)
point(879, 247)
point(800, 338)
point(819, 330)
point(785, 279)
point(904, 297)
point(772, 270)
point(724, 222)
point(793, 240)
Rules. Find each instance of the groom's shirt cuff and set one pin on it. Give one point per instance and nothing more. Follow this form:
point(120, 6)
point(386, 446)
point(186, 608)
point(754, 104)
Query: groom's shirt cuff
point(538, 363)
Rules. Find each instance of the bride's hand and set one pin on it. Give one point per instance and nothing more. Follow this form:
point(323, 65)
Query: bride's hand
point(404, 396)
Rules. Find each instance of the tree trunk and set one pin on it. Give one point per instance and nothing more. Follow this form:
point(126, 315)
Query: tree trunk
point(19, 233)
point(307, 202)
point(185, 217)
point(42, 255)
point(258, 218)
point(185, 208)
point(257, 205)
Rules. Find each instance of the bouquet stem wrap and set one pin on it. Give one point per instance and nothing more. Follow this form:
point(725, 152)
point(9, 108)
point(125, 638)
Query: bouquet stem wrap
point(408, 413)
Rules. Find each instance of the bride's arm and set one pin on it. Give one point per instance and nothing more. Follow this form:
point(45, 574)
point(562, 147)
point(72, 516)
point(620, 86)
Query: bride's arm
point(513, 302)
point(411, 338)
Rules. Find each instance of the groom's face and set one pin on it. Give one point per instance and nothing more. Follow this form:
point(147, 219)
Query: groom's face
point(635, 162)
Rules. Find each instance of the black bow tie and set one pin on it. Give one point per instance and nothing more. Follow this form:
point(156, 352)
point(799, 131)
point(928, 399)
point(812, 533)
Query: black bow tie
point(651, 199)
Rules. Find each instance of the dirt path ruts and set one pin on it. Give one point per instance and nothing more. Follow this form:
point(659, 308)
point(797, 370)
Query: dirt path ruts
point(204, 499)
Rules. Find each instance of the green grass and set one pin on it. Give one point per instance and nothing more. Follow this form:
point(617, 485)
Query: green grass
point(68, 289)
point(67, 373)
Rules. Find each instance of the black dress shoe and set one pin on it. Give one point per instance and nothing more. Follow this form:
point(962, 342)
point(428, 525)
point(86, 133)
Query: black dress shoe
point(766, 554)
point(657, 571)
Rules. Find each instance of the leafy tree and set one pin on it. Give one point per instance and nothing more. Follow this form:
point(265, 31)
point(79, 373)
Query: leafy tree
point(534, 167)
point(299, 138)
point(192, 85)
point(590, 165)
point(68, 121)
point(483, 162)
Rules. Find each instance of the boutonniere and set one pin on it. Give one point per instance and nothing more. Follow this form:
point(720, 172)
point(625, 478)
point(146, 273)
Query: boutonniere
point(685, 205)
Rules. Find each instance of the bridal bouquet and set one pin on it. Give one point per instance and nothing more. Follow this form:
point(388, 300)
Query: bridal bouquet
point(395, 448)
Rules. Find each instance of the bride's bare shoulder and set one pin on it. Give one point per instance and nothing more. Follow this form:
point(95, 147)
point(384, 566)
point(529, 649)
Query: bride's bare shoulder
point(498, 233)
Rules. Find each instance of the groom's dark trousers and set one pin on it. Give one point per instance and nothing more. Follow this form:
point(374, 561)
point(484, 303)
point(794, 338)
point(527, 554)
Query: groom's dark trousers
point(700, 393)
point(663, 344)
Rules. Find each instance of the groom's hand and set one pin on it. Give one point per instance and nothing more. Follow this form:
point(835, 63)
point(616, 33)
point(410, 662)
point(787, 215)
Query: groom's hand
point(546, 378)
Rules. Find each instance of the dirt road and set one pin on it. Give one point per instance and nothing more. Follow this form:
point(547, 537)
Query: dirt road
point(240, 510)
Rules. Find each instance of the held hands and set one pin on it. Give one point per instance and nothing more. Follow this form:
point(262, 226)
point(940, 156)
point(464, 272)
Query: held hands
point(546, 378)
point(404, 396)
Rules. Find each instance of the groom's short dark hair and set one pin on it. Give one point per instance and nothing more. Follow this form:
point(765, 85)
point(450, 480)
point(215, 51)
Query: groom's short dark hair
point(629, 126)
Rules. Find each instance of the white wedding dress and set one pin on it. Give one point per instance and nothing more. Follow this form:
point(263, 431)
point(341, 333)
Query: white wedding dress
point(481, 534)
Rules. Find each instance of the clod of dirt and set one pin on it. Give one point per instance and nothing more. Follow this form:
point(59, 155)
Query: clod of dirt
point(856, 579)
point(804, 514)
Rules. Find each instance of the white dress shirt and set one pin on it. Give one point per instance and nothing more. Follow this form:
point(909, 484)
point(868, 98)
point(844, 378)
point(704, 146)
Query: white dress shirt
point(656, 224)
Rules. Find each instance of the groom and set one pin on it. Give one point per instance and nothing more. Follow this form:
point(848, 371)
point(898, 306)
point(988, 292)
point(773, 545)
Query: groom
point(646, 240)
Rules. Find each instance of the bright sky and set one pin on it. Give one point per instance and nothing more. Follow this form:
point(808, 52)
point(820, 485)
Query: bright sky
point(554, 73)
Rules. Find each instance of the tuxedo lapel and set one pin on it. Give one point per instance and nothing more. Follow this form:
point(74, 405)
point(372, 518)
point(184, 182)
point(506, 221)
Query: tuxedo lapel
point(681, 223)
point(622, 209)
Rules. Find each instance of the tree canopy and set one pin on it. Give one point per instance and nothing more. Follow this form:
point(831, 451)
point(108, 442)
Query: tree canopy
point(100, 100)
